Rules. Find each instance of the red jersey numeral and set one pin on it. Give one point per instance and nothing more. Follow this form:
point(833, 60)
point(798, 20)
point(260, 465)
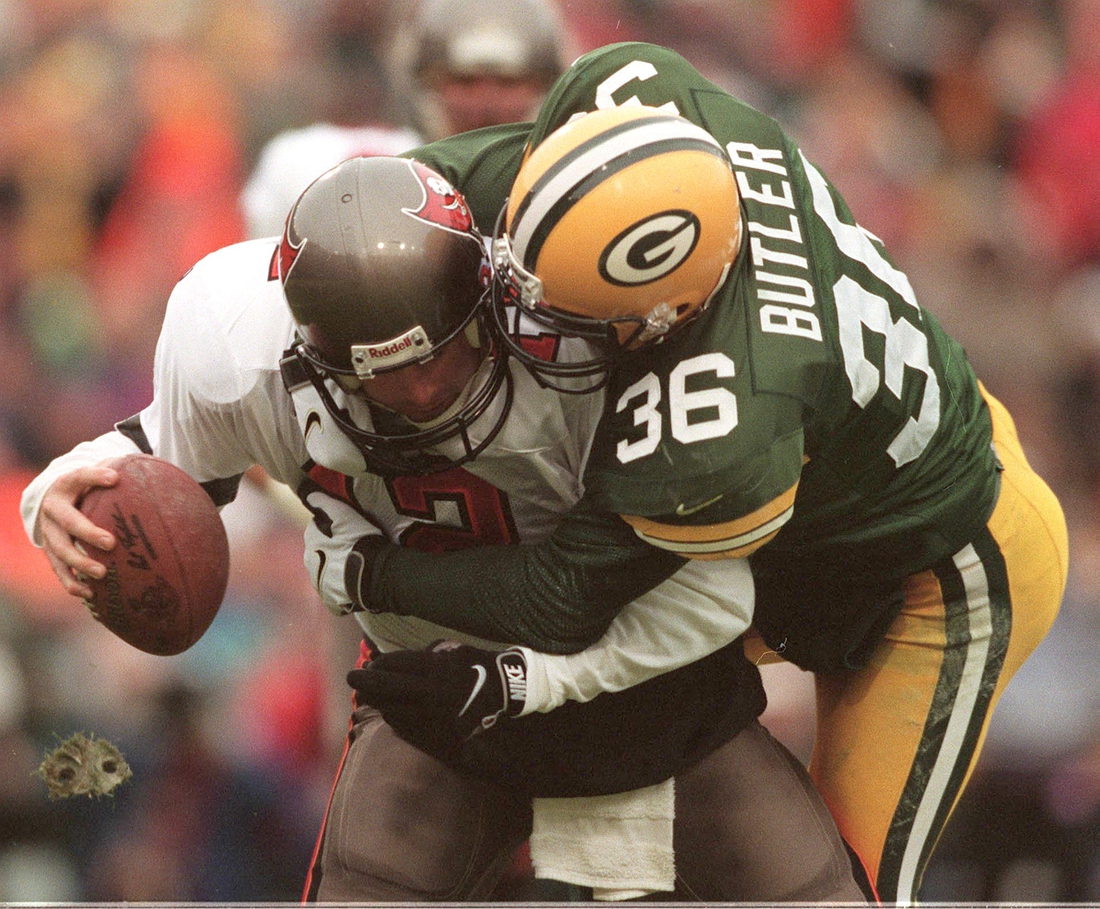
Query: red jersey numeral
point(543, 346)
point(453, 510)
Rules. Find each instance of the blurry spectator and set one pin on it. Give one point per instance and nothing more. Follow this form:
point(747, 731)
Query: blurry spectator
point(179, 198)
point(66, 133)
point(201, 826)
point(876, 142)
point(1058, 155)
point(453, 65)
point(1075, 310)
point(465, 64)
point(778, 46)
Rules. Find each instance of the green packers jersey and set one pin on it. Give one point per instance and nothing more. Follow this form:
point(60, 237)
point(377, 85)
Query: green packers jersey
point(813, 416)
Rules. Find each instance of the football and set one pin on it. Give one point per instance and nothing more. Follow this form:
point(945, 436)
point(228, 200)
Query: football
point(168, 573)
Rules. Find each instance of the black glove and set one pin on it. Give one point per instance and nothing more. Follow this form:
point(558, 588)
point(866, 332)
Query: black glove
point(440, 697)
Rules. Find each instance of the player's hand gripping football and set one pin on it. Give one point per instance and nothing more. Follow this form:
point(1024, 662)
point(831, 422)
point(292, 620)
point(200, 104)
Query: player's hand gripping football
point(62, 526)
point(440, 697)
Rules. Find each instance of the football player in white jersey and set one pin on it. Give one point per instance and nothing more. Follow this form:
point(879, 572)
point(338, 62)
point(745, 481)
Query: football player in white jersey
point(352, 360)
point(458, 64)
point(455, 65)
point(467, 64)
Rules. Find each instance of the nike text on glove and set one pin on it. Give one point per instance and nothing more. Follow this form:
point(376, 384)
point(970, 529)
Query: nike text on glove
point(442, 696)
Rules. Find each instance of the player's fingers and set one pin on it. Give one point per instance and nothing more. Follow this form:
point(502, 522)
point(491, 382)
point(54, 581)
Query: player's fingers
point(405, 662)
point(380, 688)
point(66, 534)
point(60, 520)
point(69, 529)
point(71, 579)
point(67, 540)
point(74, 485)
point(63, 547)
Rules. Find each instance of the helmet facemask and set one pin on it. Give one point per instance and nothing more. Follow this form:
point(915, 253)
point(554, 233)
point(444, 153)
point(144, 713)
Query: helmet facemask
point(396, 446)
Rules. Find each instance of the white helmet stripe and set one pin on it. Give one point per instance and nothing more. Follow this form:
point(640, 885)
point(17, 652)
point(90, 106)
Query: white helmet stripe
point(586, 161)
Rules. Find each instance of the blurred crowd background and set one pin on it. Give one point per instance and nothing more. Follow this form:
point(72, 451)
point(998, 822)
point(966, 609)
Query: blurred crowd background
point(965, 133)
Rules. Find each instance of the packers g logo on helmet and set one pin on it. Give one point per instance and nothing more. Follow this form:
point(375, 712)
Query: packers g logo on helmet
point(620, 224)
point(650, 249)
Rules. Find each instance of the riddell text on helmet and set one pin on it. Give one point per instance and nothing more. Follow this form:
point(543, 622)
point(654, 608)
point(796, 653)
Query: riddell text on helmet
point(388, 350)
point(393, 352)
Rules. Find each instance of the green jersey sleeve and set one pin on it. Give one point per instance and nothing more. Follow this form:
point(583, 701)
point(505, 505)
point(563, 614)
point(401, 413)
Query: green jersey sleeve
point(557, 596)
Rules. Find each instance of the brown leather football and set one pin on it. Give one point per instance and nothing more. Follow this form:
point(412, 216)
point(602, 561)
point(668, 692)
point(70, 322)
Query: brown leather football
point(167, 575)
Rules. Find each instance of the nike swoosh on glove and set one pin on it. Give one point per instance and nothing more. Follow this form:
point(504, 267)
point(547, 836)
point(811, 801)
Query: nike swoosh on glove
point(440, 697)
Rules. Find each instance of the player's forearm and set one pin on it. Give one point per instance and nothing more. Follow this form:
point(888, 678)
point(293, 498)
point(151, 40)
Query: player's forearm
point(700, 609)
point(557, 596)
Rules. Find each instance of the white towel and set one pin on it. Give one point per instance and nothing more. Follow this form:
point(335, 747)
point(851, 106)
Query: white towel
point(619, 845)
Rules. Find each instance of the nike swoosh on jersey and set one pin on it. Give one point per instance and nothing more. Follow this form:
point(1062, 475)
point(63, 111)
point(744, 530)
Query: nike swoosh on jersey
point(683, 511)
point(725, 540)
point(482, 675)
point(312, 419)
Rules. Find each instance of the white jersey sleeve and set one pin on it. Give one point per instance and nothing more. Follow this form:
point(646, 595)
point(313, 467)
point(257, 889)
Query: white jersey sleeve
point(701, 608)
point(218, 402)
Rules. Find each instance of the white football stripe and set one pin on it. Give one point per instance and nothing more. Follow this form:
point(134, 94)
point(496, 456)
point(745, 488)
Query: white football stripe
point(977, 652)
point(646, 132)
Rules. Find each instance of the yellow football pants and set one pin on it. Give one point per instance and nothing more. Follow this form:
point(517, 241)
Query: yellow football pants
point(897, 741)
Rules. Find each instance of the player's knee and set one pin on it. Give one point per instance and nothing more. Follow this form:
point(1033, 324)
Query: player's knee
point(751, 827)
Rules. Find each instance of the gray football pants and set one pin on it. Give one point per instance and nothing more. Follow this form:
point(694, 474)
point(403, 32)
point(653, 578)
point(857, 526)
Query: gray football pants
point(402, 826)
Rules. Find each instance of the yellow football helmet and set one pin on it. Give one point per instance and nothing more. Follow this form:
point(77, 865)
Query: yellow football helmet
point(619, 226)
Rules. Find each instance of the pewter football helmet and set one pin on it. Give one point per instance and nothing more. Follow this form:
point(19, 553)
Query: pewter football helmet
point(381, 266)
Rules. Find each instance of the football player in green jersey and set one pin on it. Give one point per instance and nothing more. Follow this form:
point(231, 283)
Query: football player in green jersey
point(776, 394)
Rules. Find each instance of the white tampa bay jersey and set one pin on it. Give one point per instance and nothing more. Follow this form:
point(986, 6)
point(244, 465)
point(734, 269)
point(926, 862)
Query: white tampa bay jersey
point(220, 406)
